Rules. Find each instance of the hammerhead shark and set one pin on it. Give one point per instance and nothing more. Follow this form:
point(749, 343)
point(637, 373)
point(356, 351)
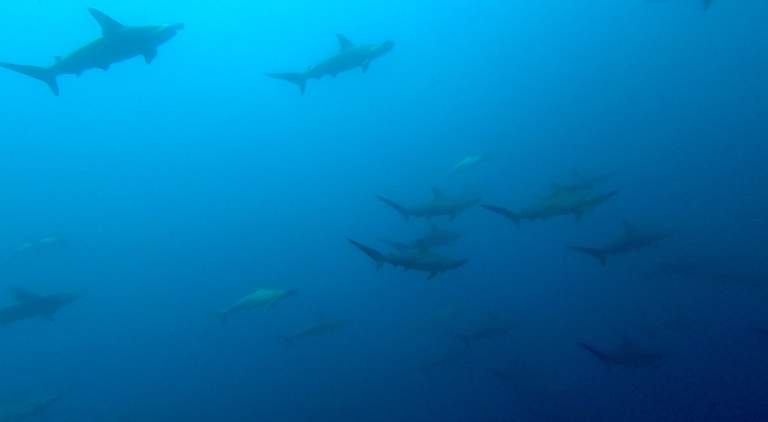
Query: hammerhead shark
point(628, 354)
point(493, 328)
point(632, 239)
point(575, 184)
point(116, 44)
point(25, 410)
point(433, 238)
point(318, 329)
point(564, 203)
point(424, 260)
point(257, 299)
point(350, 56)
point(439, 206)
point(31, 305)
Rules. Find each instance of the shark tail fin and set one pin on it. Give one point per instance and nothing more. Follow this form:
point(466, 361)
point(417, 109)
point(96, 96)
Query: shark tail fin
point(593, 252)
point(299, 79)
point(399, 208)
point(602, 357)
point(375, 255)
point(504, 212)
point(40, 73)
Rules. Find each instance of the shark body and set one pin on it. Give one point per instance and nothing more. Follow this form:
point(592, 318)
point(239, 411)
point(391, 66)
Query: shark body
point(27, 410)
point(350, 56)
point(434, 238)
point(627, 354)
point(30, 305)
point(631, 240)
point(425, 261)
point(258, 299)
point(439, 206)
point(574, 203)
point(318, 329)
point(117, 43)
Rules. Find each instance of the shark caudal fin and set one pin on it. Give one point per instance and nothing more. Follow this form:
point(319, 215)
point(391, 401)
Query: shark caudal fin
point(602, 357)
point(40, 73)
point(593, 252)
point(375, 255)
point(299, 79)
point(399, 208)
point(504, 212)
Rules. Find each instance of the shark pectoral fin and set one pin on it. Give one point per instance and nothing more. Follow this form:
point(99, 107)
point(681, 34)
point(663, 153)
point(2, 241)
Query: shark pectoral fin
point(150, 55)
point(433, 274)
point(103, 67)
point(108, 25)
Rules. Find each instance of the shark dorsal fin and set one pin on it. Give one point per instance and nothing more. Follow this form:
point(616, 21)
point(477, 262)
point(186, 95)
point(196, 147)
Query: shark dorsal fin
point(22, 295)
point(344, 42)
point(437, 193)
point(108, 25)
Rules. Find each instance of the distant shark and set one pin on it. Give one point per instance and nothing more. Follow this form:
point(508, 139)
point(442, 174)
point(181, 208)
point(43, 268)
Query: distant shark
point(628, 354)
point(350, 56)
point(117, 43)
point(318, 329)
point(30, 306)
point(433, 238)
point(575, 184)
point(25, 410)
point(259, 298)
point(493, 328)
point(36, 247)
point(468, 162)
point(425, 261)
point(574, 203)
point(632, 239)
point(439, 206)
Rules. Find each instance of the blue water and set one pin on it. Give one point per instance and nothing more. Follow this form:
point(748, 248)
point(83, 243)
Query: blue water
point(184, 185)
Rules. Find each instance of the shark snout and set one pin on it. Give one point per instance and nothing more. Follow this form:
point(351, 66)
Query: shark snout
point(386, 47)
point(461, 263)
point(169, 31)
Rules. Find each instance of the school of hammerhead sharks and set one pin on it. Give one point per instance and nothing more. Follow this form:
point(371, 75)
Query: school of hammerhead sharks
point(577, 196)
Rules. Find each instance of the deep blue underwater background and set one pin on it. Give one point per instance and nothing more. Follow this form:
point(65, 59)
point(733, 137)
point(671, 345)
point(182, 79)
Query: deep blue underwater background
point(184, 185)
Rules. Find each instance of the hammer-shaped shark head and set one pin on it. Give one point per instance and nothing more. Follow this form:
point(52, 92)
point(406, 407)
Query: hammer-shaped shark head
point(384, 48)
point(61, 300)
point(165, 32)
point(457, 263)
